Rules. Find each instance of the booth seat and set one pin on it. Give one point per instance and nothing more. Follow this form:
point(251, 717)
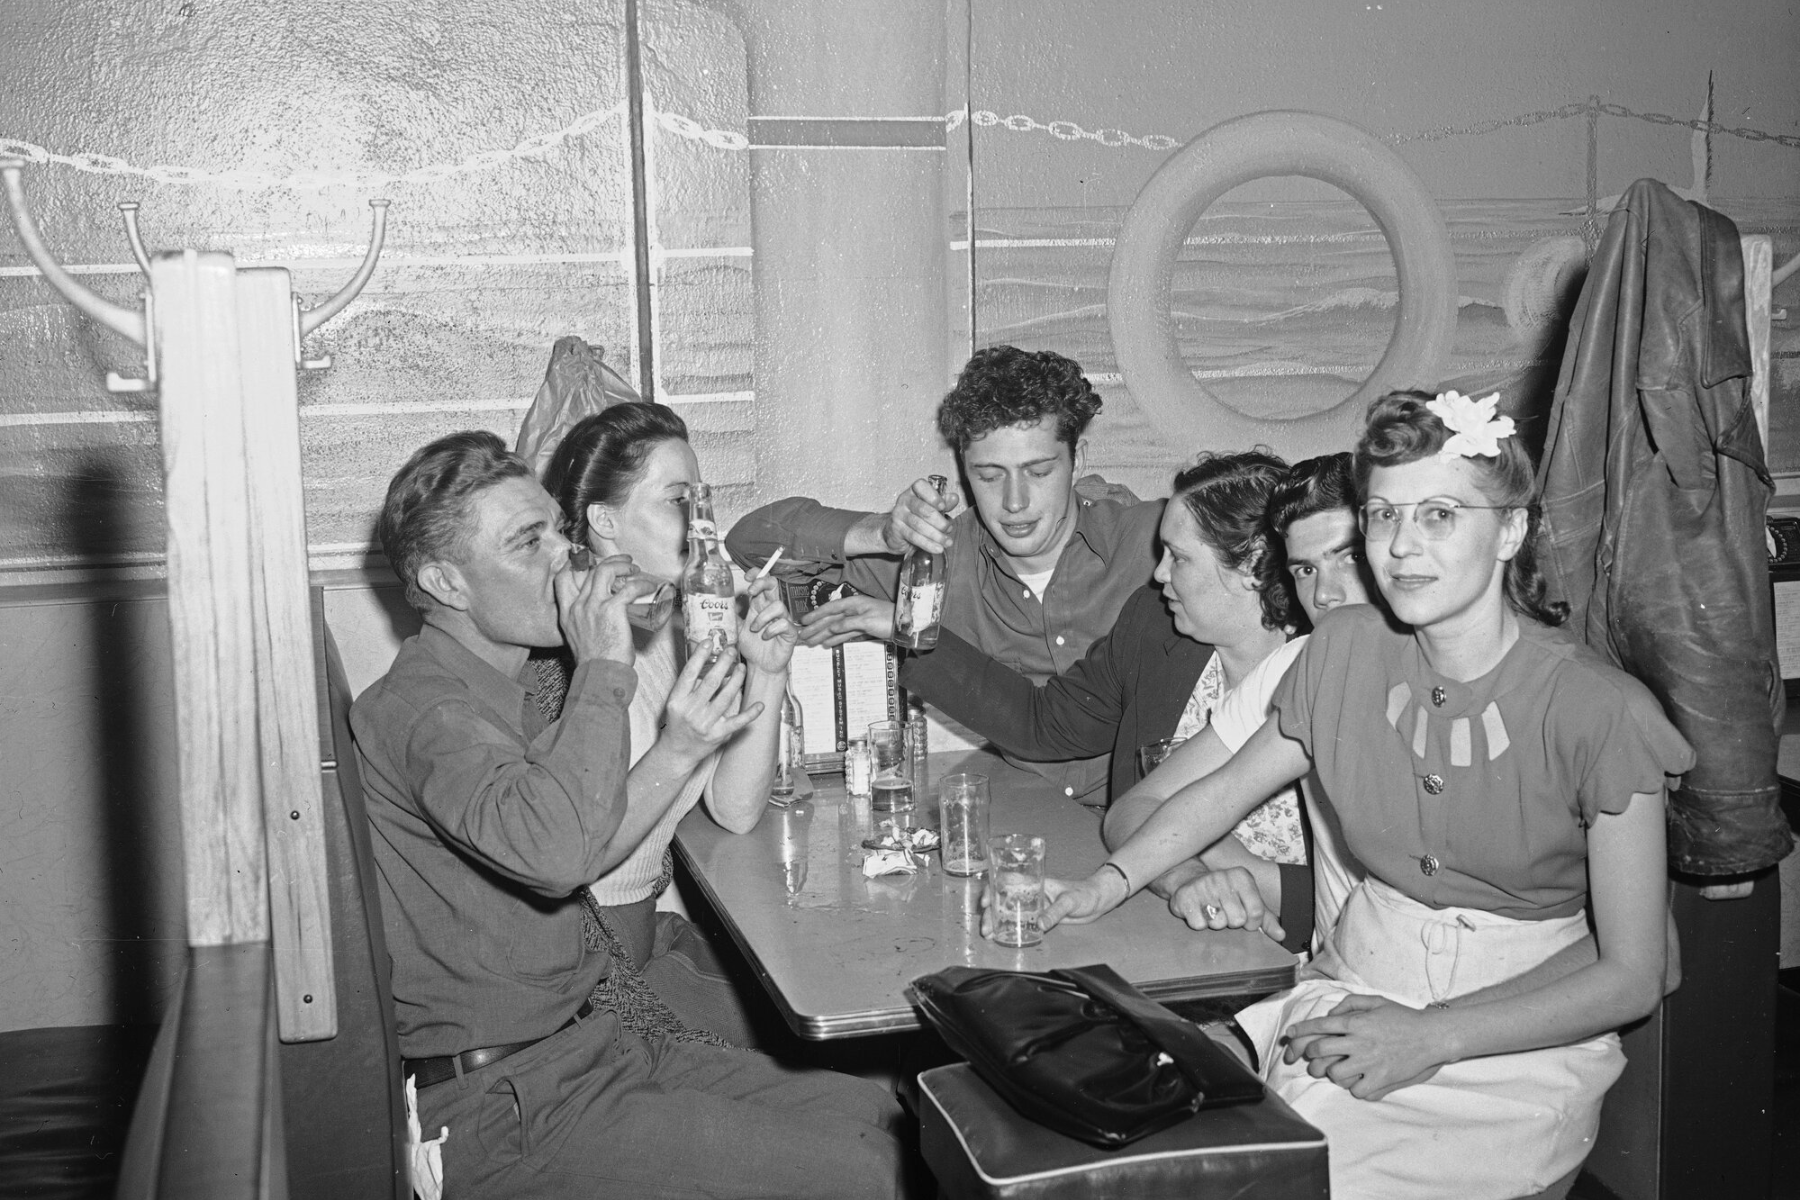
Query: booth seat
point(980, 1148)
point(343, 1102)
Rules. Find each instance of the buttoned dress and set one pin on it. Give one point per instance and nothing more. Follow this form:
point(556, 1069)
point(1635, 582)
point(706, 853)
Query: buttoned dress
point(1468, 805)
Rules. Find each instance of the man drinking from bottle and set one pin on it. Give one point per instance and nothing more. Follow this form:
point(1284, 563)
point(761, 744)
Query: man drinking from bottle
point(1036, 569)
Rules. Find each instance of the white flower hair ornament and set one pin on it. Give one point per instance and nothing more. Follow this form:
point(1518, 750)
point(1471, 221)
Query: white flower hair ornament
point(1474, 427)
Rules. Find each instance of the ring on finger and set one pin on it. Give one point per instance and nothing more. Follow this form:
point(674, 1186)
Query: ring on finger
point(1214, 913)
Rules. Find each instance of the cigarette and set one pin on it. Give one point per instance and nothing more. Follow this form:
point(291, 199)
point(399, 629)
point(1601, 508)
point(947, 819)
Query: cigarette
point(768, 566)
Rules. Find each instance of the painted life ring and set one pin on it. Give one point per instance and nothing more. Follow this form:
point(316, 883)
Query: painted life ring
point(1256, 147)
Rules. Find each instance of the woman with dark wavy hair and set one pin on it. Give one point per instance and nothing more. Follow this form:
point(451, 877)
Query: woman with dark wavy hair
point(621, 477)
point(1499, 782)
point(1210, 639)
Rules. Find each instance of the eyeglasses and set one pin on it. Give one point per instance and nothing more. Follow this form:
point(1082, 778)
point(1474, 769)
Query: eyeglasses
point(1434, 519)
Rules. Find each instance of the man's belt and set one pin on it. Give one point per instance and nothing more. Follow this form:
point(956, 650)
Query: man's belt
point(426, 1071)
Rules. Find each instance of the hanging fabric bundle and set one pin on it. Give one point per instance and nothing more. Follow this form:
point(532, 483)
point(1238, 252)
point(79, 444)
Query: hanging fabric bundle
point(577, 384)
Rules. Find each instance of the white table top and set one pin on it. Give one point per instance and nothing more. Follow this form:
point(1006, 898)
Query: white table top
point(836, 951)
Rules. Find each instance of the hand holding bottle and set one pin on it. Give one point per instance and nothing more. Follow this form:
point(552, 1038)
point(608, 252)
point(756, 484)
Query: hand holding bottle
point(921, 518)
point(702, 713)
point(919, 602)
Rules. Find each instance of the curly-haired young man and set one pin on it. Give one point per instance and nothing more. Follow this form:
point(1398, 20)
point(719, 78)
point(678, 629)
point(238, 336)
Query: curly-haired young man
point(1041, 561)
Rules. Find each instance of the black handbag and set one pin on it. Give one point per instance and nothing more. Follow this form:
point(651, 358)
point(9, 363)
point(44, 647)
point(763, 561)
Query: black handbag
point(1081, 1051)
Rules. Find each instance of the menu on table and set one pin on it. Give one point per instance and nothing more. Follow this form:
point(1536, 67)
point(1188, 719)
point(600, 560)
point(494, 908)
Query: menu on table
point(841, 690)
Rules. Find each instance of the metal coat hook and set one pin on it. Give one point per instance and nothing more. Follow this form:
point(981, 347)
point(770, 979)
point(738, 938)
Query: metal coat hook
point(120, 320)
point(311, 319)
point(128, 209)
point(140, 327)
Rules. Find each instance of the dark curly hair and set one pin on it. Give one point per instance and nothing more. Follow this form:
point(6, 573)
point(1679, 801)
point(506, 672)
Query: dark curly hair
point(1312, 486)
point(425, 517)
point(601, 459)
point(1401, 430)
point(1227, 495)
point(1004, 385)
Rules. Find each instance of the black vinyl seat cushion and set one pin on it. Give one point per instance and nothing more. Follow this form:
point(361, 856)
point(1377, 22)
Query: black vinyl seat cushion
point(978, 1145)
point(66, 1096)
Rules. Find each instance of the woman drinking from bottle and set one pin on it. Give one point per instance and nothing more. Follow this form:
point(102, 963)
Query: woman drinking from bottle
point(1498, 781)
point(622, 477)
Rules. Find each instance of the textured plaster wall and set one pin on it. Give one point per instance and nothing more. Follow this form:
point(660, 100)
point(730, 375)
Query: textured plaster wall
point(483, 268)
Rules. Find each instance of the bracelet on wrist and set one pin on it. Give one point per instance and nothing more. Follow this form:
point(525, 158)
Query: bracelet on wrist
point(1122, 875)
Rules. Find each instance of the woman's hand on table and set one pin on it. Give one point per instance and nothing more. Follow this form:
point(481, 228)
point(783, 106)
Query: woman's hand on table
point(1227, 899)
point(766, 638)
point(701, 715)
point(1076, 901)
point(1369, 1045)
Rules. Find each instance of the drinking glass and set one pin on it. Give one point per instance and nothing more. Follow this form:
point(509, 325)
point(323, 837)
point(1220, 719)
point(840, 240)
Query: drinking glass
point(1151, 755)
point(1016, 877)
point(891, 788)
point(963, 823)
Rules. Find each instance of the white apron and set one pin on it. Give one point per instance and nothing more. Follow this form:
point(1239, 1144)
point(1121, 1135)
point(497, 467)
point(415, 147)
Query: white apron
point(1490, 1128)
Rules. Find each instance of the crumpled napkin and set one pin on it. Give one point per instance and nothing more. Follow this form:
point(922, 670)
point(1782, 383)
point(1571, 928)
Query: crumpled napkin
point(889, 862)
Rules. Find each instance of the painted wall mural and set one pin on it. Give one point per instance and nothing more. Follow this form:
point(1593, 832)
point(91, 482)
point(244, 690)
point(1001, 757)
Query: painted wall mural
point(500, 136)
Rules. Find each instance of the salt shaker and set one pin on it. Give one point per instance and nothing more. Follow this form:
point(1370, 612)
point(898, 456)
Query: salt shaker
point(859, 768)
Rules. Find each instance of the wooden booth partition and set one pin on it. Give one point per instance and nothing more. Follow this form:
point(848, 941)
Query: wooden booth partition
point(222, 347)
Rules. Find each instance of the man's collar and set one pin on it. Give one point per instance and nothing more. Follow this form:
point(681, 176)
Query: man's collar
point(1085, 529)
point(503, 695)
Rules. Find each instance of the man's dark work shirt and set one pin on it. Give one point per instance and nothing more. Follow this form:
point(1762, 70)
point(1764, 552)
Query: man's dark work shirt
point(486, 823)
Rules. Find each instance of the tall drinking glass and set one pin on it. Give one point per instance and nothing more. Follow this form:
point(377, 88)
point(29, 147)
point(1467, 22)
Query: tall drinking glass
point(891, 788)
point(1016, 877)
point(963, 823)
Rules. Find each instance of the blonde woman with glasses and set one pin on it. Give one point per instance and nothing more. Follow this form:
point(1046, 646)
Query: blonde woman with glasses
point(1501, 784)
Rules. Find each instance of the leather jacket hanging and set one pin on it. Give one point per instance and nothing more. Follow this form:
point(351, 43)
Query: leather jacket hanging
point(1654, 490)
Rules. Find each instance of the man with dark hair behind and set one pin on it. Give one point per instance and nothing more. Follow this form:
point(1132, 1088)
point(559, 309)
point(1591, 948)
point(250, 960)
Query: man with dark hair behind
point(1038, 567)
point(488, 821)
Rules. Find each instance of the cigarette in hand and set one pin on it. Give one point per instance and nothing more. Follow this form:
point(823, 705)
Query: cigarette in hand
point(769, 565)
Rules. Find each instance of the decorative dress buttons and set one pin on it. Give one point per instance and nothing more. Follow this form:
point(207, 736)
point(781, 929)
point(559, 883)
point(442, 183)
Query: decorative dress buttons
point(1434, 784)
point(1059, 640)
point(1438, 696)
point(1428, 864)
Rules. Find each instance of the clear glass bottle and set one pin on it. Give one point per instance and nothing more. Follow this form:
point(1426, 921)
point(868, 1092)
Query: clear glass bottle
point(919, 604)
point(790, 753)
point(708, 600)
point(915, 744)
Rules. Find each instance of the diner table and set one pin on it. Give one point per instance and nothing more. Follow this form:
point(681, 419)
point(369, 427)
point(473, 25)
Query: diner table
point(836, 950)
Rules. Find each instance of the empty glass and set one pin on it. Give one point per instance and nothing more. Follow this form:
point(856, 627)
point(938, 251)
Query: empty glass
point(1016, 880)
point(963, 824)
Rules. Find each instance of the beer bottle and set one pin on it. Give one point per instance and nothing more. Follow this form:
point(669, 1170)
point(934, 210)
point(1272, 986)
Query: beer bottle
point(919, 606)
point(708, 601)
